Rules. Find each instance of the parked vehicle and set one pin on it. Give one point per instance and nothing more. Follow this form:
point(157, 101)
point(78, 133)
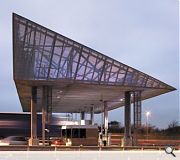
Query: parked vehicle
point(57, 142)
point(13, 140)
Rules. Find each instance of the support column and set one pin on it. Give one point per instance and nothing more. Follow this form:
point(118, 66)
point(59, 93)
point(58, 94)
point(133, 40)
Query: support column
point(44, 113)
point(82, 115)
point(33, 140)
point(127, 120)
point(83, 118)
point(105, 119)
point(92, 116)
point(137, 115)
point(46, 110)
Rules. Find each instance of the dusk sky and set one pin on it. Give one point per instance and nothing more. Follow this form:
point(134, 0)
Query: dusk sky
point(143, 34)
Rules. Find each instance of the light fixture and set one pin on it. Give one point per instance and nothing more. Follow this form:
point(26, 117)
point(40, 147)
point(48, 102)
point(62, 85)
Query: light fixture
point(148, 114)
point(58, 97)
point(47, 130)
point(60, 91)
point(122, 99)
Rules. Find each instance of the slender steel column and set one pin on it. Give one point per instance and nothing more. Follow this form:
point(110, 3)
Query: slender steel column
point(92, 116)
point(82, 115)
point(106, 119)
point(44, 106)
point(46, 111)
point(137, 115)
point(33, 140)
point(127, 120)
point(137, 109)
point(82, 118)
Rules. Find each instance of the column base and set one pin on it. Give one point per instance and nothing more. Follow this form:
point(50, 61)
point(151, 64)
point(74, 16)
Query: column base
point(33, 142)
point(126, 141)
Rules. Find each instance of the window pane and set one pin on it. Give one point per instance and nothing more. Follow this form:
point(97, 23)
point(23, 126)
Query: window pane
point(82, 133)
point(75, 133)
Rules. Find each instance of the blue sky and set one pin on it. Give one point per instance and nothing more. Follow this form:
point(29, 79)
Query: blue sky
point(142, 34)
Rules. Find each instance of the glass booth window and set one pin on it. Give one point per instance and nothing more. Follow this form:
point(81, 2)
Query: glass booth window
point(82, 133)
point(74, 133)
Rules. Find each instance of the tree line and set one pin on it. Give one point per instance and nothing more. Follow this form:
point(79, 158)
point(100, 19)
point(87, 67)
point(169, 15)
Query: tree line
point(172, 129)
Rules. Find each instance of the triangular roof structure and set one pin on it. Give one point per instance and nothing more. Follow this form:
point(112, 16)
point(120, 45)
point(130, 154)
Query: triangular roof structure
point(79, 75)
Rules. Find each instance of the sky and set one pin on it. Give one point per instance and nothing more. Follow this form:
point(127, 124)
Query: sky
point(143, 34)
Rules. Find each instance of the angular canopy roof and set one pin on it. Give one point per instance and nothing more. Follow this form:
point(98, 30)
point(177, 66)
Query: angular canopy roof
point(79, 76)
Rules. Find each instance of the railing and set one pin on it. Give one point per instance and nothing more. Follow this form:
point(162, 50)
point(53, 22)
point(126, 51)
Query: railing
point(82, 148)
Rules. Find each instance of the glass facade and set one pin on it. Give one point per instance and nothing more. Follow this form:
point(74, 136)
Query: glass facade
point(41, 54)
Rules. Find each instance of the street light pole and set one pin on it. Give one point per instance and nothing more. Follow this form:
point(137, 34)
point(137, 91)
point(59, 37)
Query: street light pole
point(147, 123)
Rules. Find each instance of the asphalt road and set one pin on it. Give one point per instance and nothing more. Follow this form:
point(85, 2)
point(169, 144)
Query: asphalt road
point(88, 155)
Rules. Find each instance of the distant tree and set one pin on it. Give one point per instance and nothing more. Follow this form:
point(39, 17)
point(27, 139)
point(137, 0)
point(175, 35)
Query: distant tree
point(173, 129)
point(115, 127)
point(157, 130)
point(173, 124)
point(151, 128)
point(142, 129)
point(114, 124)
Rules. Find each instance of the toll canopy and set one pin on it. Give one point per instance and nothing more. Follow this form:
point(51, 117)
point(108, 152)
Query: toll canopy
point(79, 77)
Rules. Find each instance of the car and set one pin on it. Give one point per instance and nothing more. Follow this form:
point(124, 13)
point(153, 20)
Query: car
point(57, 142)
point(13, 140)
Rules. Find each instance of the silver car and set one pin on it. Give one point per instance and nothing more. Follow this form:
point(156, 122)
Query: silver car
point(13, 140)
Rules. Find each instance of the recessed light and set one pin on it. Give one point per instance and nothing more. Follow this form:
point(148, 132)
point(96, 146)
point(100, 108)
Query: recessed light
point(122, 99)
point(60, 91)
